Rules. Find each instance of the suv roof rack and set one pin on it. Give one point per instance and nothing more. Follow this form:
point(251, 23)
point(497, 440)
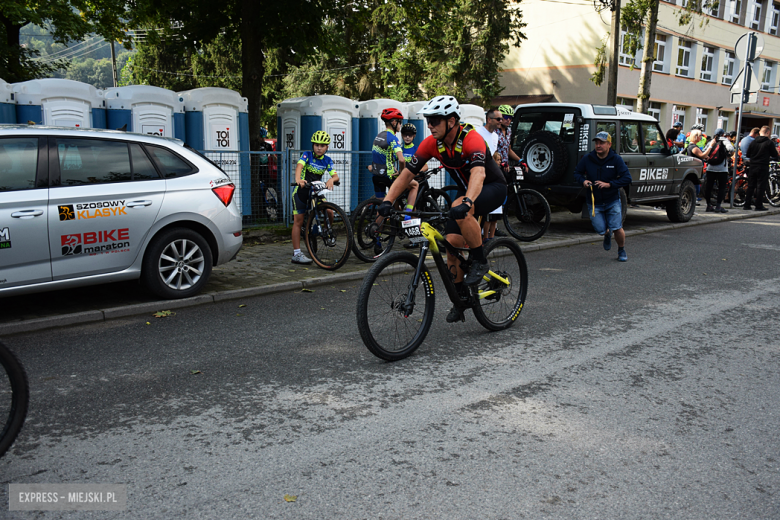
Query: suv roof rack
point(604, 110)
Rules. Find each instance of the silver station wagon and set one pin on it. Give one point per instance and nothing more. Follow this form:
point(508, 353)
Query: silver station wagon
point(83, 207)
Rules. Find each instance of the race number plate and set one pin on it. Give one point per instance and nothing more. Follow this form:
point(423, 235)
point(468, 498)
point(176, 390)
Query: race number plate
point(519, 173)
point(412, 229)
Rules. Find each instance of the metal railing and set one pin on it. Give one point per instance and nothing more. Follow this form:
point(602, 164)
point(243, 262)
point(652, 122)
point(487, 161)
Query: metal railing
point(262, 179)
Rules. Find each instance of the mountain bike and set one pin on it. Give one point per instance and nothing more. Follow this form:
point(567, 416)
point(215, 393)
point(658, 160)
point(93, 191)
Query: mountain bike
point(773, 185)
point(326, 230)
point(375, 235)
point(14, 397)
point(396, 301)
point(526, 211)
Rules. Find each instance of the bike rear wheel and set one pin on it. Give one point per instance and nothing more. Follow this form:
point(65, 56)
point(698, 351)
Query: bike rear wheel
point(328, 242)
point(371, 238)
point(500, 299)
point(773, 190)
point(527, 215)
point(387, 331)
point(14, 397)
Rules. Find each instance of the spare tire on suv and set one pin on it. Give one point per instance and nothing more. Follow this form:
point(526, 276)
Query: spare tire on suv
point(546, 157)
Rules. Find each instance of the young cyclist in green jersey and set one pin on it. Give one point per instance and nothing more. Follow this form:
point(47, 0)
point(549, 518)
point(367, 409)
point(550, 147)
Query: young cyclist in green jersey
point(312, 166)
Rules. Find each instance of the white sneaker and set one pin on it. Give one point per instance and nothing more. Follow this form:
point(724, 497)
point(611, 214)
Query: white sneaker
point(300, 258)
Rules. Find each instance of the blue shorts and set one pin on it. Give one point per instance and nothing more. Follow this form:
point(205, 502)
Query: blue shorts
point(608, 216)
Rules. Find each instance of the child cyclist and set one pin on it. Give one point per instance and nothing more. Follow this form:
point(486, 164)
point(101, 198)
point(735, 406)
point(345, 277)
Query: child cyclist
point(408, 133)
point(312, 166)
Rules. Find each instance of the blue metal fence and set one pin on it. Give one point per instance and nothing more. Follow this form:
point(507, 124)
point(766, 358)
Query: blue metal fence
point(263, 181)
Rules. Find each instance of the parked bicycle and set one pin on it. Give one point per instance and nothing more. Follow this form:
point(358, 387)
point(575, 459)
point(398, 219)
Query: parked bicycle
point(14, 398)
point(396, 301)
point(326, 231)
point(526, 211)
point(375, 235)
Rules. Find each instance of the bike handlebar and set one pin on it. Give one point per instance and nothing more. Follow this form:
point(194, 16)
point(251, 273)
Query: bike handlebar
point(308, 184)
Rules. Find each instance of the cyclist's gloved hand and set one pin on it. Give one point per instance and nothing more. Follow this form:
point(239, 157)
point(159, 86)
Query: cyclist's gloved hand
point(385, 208)
point(460, 212)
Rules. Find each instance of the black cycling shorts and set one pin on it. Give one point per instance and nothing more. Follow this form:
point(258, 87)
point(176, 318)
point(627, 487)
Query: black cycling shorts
point(381, 182)
point(491, 197)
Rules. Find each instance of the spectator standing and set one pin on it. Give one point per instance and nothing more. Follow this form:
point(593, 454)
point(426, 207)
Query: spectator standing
point(745, 142)
point(672, 133)
point(493, 120)
point(504, 133)
point(720, 150)
point(760, 152)
point(604, 174)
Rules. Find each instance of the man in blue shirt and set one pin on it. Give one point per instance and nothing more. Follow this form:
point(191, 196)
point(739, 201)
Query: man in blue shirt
point(603, 173)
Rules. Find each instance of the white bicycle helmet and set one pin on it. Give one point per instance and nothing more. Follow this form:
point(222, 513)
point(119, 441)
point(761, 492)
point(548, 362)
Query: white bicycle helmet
point(441, 106)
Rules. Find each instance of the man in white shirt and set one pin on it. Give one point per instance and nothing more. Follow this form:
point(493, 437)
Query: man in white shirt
point(488, 133)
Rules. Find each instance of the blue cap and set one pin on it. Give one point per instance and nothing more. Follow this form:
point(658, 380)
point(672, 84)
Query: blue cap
point(719, 132)
point(603, 136)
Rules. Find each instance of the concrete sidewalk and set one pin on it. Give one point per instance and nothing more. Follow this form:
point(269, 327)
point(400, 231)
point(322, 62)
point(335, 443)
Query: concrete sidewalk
point(265, 268)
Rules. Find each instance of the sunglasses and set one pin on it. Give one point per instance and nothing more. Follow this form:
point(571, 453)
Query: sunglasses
point(507, 118)
point(496, 118)
point(434, 120)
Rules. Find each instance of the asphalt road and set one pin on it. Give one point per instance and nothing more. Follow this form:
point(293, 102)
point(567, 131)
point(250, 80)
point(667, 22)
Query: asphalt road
point(648, 389)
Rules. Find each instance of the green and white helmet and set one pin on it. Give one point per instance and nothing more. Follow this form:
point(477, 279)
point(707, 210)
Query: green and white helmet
point(506, 110)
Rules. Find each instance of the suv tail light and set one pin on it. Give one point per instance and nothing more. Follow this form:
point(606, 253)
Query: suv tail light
point(224, 193)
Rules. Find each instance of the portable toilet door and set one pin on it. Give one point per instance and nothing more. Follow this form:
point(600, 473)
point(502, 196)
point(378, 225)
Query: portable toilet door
point(143, 109)
point(298, 119)
point(60, 102)
point(7, 104)
point(473, 115)
point(371, 124)
point(216, 121)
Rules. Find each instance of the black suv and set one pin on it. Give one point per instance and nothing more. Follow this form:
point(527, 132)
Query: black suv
point(553, 137)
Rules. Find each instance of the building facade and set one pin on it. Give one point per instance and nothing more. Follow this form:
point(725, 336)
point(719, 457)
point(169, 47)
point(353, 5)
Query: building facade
point(694, 69)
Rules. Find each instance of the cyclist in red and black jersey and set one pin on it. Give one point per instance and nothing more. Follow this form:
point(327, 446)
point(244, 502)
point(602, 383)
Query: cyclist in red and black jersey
point(482, 186)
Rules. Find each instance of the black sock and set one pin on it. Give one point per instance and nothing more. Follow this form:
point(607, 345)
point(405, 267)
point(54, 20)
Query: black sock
point(478, 255)
point(620, 249)
point(460, 288)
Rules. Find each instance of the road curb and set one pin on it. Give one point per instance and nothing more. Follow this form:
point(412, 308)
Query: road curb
point(142, 308)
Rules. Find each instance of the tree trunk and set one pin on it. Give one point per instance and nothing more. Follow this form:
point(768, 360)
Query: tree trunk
point(12, 35)
point(646, 75)
point(252, 67)
point(613, 56)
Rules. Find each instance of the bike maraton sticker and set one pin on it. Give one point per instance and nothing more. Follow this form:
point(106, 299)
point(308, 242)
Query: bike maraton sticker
point(5, 238)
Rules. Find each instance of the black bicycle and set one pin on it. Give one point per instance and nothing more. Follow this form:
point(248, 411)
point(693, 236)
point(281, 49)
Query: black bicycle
point(396, 301)
point(326, 230)
point(375, 235)
point(14, 398)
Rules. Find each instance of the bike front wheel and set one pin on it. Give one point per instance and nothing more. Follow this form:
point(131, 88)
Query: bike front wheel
point(773, 190)
point(527, 216)
point(500, 295)
point(393, 317)
point(14, 398)
point(328, 240)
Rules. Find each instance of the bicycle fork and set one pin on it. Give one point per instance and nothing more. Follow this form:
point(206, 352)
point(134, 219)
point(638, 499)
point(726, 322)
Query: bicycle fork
point(409, 303)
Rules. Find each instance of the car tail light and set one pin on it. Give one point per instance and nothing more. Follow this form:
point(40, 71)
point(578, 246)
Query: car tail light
point(224, 193)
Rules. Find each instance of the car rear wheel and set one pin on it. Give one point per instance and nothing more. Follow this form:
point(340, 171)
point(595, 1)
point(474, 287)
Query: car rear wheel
point(546, 156)
point(177, 264)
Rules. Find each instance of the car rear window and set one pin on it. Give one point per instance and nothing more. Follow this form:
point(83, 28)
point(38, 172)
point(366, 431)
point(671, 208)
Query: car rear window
point(92, 161)
point(169, 164)
point(559, 123)
point(18, 163)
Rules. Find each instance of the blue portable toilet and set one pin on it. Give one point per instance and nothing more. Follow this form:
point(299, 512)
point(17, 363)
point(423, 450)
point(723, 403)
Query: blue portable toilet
point(216, 121)
point(298, 118)
point(60, 102)
point(370, 125)
point(7, 104)
point(145, 110)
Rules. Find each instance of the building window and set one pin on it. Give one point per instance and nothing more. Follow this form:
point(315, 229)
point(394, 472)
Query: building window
point(755, 14)
point(626, 40)
point(659, 65)
point(626, 103)
point(701, 117)
point(707, 64)
point(768, 76)
point(734, 10)
point(728, 69)
point(654, 110)
point(723, 120)
point(776, 129)
point(682, 3)
point(678, 114)
point(711, 7)
point(684, 58)
point(774, 19)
